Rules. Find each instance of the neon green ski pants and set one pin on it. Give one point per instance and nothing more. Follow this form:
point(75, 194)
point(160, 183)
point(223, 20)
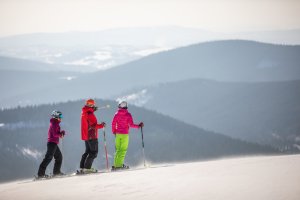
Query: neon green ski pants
point(122, 141)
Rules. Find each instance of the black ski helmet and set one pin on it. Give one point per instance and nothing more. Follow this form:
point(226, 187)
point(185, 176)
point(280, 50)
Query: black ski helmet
point(56, 114)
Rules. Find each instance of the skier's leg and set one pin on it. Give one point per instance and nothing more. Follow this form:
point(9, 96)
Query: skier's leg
point(84, 156)
point(124, 147)
point(93, 144)
point(122, 141)
point(117, 147)
point(58, 161)
point(51, 147)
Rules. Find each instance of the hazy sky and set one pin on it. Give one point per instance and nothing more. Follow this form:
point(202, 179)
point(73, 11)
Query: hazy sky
point(27, 16)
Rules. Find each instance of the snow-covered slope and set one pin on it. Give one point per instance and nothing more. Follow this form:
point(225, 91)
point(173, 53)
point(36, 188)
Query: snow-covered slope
point(259, 178)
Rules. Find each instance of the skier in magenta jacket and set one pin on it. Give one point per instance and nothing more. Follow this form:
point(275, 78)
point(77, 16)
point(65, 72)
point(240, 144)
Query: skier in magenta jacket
point(121, 123)
point(54, 133)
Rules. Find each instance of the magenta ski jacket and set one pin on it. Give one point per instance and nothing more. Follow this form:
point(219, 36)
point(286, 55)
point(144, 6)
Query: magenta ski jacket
point(54, 131)
point(122, 121)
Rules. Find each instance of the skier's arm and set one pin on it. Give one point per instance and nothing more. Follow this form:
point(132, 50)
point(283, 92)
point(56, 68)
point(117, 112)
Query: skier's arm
point(113, 125)
point(102, 125)
point(57, 132)
point(92, 121)
point(62, 133)
point(130, 122)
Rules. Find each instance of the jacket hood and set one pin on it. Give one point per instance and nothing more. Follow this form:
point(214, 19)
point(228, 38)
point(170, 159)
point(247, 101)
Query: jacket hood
point(53, 120)
point(87, 109)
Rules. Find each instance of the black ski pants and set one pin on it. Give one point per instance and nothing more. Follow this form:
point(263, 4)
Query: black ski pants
point(52, 151)
point(91, 152)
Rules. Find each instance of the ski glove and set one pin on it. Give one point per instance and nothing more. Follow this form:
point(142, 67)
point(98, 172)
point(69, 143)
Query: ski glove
point(103, 124)
point(62, 134)
point(141, 124)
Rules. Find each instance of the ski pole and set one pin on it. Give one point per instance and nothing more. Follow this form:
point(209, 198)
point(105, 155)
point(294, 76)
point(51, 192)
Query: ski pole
point(62, 153)
point(105, 148)
point(103, 107)
point(62, 150)
point(143, 146)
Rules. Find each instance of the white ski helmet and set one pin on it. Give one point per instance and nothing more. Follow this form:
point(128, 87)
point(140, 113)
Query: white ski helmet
point(123, 104)
point(56, 114)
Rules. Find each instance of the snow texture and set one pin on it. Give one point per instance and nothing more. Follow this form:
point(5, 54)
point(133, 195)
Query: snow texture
point(259, 178)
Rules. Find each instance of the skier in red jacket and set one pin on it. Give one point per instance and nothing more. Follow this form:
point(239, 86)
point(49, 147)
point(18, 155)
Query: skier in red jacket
point(121, 123)
point(89, 134)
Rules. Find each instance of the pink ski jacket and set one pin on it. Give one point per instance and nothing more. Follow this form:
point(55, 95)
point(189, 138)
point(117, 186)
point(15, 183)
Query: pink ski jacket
point(54, 131)
point(122, 121)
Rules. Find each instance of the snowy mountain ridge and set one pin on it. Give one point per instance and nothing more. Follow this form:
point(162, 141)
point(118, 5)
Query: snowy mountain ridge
point(230, 61)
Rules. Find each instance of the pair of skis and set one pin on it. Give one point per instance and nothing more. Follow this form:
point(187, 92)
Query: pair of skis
point(79, 173)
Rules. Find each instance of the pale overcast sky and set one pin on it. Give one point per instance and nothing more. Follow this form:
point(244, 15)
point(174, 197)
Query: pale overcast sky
point(28, 16)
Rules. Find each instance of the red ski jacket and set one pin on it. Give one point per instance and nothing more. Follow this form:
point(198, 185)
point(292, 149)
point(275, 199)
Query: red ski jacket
point(89, 125)
point(122, 121)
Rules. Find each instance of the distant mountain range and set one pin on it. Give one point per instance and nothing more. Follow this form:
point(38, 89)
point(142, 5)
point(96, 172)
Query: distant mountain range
point(19, 77)
point(19, 64)
point(233, 61)
point(264, 112)
point(78, 58)
point(104, 49)
point(23, 137)
point(99, 50)
point(142, 36)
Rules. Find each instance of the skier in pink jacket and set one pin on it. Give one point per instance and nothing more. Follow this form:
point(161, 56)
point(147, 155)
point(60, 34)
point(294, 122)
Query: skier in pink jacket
point(54, 133)
point(121, 123)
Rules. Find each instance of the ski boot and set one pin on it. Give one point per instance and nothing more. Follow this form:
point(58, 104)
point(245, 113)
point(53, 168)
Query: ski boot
point(81, 171)
point(125, 167)
point(59, 174)
point(113, 168)
point(40, 177)
point(89, 171)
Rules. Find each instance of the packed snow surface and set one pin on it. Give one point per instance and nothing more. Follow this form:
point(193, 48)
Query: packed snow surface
point(259, 178)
